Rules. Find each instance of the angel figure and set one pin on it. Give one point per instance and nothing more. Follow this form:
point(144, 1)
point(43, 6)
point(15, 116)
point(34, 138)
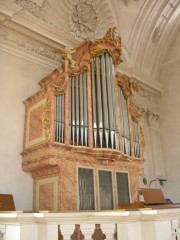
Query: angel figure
point(67, 55)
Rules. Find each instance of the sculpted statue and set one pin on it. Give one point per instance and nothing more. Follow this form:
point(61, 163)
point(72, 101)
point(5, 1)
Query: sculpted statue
point(67, 55)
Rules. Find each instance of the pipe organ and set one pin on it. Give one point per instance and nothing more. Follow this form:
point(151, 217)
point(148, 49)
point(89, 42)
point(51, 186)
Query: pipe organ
point(83, 143)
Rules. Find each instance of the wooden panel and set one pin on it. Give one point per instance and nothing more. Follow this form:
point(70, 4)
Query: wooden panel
point(6, 202)
point(153, 196)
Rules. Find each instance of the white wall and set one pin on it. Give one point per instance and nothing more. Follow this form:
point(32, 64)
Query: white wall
point(18, 80)
point(170, 120)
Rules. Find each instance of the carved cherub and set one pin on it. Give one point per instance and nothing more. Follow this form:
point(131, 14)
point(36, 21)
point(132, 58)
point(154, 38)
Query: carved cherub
point(67, 55)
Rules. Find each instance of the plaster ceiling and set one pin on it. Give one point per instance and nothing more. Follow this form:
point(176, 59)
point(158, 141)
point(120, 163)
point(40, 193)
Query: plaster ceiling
point(148, 28)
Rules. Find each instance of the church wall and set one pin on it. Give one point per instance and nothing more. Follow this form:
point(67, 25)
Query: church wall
point(170, 128)
point(18, 80)
point(147, 99)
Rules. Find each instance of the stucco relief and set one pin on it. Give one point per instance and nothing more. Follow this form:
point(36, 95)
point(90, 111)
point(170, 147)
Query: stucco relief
point(31, 7)
point(83, 19)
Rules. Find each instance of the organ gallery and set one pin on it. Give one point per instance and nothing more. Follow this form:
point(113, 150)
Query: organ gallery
point(83, 143)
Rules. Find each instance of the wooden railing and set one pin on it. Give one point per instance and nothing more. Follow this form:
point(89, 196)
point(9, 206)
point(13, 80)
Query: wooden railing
point(145, 224)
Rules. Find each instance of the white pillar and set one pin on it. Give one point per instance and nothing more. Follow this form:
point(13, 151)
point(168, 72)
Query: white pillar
point(42, 231)
point(129, 231)
point(28, 231)
point(87, 230)
point(157, 230)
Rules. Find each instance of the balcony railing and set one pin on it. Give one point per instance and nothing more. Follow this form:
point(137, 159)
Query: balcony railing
point(145, 224)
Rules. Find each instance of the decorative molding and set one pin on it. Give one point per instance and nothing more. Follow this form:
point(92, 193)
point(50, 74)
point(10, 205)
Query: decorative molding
point(11, 26)
point(51, 170)
point(163, 20)
point(144, 91)
point(31, 7)
point(28, 44)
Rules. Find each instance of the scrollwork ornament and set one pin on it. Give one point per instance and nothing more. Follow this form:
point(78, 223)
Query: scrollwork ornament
point(124, 82)
point(46, 118)
point(110, 43)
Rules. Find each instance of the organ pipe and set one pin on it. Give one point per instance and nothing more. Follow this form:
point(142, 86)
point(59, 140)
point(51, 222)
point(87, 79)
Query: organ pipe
point(94, 103)
point(78, 110)
point(59, 118)
point(105, 128)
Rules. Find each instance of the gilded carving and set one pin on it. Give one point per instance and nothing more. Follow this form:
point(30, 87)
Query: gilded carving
point(78, 71)
point(67, 55)
point(46, 118)
point(142, 141)
point(134, 111)
point(110, 43)
point(60, 85)
point(124, 82)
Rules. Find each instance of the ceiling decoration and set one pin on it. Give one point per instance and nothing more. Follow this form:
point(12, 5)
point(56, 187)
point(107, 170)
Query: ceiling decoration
point(126, 2)
point(83, 19)
point(147, 28)
point(164, 19)
point(31, 7)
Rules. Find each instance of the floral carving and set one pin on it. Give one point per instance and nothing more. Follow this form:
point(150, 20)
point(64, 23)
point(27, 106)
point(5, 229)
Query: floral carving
point(83, 19)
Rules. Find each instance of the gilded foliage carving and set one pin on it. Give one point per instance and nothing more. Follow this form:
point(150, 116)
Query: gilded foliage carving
point(46, 117)
point(142, 141)
point(123, 81)
point(110, 43)
point(60, 85)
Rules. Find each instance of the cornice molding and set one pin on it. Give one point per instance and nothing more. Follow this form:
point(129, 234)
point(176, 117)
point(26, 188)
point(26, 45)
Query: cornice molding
point(28, 44)
point(29, 56)
point(157, 86)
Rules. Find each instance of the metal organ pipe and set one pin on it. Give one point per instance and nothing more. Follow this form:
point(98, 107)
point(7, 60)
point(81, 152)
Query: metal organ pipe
point(94, 103)
point(115, 120)
point(59, 118)
point(103, 102)
point(78, 110)
point(85, 109)
point(73, 105)
point(99, 102)
point(81, 109)
point(77, 107)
